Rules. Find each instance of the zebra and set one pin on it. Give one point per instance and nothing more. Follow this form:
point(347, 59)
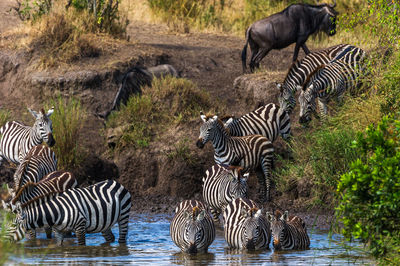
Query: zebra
point(245, 226)
point(252, 152)
point(17, 139)
point(221, 185)
point(268, 121)
point(38, 162)
point(91, 209)
point(329, 81)
point(300, 70)
point(288, 232)
point(192, 228)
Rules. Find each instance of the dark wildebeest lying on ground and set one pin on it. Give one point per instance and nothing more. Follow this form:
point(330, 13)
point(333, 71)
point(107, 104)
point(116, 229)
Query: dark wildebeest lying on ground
point(292, 25)
point(136, 78)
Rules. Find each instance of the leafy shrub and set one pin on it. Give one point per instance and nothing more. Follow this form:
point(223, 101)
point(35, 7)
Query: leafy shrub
point(33, 9)
point(167, 102)
point(369, 192)
point(4, 116)
point(68, 119)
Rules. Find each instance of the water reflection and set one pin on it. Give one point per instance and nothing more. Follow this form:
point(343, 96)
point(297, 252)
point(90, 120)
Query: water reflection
point(149, 242)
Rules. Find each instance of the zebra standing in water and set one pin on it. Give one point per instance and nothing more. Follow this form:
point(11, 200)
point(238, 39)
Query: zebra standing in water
point(245, 226)
point(268, 121)
point(252, 152)
point(300, 70)
point(82, 210)
point(288, 232)
point(221, 185)
point(192, 229)
point(17, 139)
point(328, 81)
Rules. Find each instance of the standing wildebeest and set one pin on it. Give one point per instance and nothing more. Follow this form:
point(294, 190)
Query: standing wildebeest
point(292, 25)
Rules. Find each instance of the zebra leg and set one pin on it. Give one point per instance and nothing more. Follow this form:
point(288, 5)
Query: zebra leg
point(261, 182)
point(108, 235)
point(123, 229)
point(323, 108)
point(48, 232)
point(266, 164)
point(59, 236)
point(32, 234)
point(80, 232)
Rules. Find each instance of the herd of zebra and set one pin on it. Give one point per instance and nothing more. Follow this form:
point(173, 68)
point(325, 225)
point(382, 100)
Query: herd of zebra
point(43, 197)
point(245, 144)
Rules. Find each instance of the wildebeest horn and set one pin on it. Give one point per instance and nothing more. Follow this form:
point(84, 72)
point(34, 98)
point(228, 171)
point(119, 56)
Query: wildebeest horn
point(334, 4)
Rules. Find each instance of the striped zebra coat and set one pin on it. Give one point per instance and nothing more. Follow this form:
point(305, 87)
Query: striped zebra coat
point(329, 81)
point(269, 121)
point(288, 232)
point(17, 139)
point(221, 185)
point(300, 70)
point(192, 229)
point(82, 210)
point(38, 162)
point(245, 226)
point(252, 152)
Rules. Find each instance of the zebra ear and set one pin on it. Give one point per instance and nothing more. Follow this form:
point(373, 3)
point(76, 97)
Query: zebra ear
point(215, 117)
point(34, 113)
point(279, 87)
point(50, 111)
point(203, 117)
point(230, 120)
point(243, 213)
point(246, 176)
point(285, 216)
point(270, 216)
point(258, 213)
point(186, 215)
point(201, 215)
point(299, 88)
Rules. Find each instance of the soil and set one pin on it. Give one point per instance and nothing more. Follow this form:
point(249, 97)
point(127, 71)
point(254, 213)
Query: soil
point(156, 180)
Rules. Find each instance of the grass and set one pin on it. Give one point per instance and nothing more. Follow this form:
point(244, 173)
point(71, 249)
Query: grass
point(5, 116)
point(168, 102)
point(323, 153)
point(68, 119)
point(5, 246)
point(181, 151)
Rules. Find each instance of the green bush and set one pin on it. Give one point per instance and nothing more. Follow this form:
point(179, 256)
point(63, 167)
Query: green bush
point(369, 192)
point(167, 102)
point(68, 119)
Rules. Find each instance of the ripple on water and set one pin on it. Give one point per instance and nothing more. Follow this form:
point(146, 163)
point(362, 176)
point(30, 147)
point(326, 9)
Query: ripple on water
point(149, 242)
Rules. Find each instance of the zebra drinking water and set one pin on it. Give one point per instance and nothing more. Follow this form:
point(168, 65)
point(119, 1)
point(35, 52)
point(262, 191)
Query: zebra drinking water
point(269, 121)
point(221, 185)
point(192, 229)
point(245, 226)
point(252, 152)
point(328, 81)
point(82, 210)
point(300, 70)
point(288, 232)
point(17, 139)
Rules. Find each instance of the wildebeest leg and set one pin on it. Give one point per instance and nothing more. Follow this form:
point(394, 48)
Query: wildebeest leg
point(296, 51)
point(305, 49)
point(260, 55)
point(254, 51)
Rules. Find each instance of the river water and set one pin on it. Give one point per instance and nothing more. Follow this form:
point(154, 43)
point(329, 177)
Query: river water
point(149, 243)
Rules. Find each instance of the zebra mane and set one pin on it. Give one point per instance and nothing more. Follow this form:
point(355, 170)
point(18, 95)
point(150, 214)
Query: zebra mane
point(26, 162)
point(311, 75)
point(223, 127)
point(21, 190)
point(35, 199)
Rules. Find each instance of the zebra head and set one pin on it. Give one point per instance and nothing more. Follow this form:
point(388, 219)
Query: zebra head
point(286, 98)
point(207, 130)
point(307, 104)
point(279, 228)
point(15, 231)
point(238, 183)
point(43, 125)
point(252, 232)
point(194, 230)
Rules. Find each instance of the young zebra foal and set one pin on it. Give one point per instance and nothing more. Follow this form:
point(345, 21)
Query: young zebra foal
point(17, 139)
point(82, 210)
point(245, 226)
point(269, 121)
point(288, 232)
point(192, 229)
point(252, 152)
point(221, 185)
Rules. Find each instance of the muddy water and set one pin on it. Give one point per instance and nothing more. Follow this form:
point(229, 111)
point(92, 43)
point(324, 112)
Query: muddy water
point(149, 243)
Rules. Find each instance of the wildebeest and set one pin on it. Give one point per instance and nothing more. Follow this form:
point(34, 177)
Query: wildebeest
point(292, 25)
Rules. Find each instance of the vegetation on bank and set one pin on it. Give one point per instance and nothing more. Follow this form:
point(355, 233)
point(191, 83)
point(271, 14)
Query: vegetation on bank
point(168, 102)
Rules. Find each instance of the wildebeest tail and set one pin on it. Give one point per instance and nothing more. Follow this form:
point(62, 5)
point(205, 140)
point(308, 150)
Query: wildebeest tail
point(244, 51)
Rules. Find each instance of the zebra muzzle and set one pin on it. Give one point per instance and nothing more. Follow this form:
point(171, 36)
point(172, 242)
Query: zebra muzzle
point(200, 143)
point(277, 244)
point(192, 249)
point(50, 140)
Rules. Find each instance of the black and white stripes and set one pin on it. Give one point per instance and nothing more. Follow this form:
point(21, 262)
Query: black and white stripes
point(82, 210)
point(192, 229)
point(245, 226)
point(269, 121)
point(17, 139)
